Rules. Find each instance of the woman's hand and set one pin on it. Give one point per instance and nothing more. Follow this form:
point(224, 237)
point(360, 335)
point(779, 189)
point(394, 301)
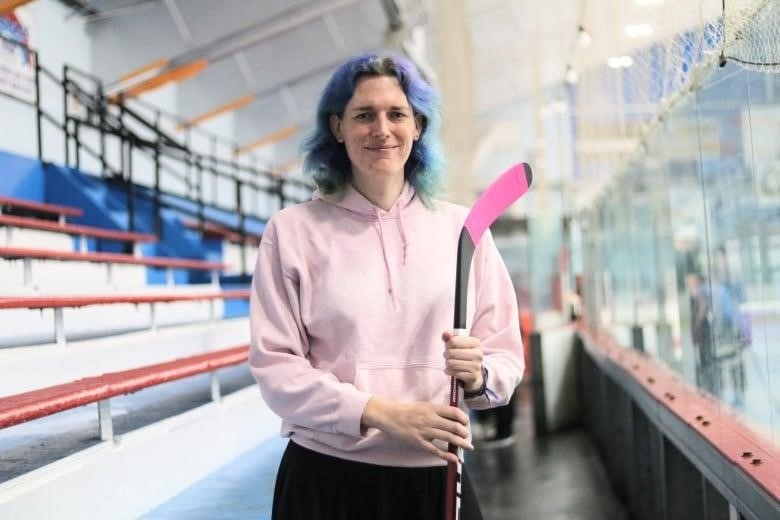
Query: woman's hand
point(420, 424)
point(463, 359)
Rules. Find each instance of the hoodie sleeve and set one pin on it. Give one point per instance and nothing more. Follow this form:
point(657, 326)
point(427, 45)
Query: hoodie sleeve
point(496, 323)
point(290, 385)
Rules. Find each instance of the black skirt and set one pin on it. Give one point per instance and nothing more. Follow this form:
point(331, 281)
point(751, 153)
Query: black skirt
point(313, 486)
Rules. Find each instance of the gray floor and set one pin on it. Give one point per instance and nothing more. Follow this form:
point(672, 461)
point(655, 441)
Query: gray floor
point(555, 478)
point(559, 477)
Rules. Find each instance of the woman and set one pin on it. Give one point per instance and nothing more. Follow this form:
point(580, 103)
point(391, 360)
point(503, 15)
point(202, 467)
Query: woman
point(351, 302)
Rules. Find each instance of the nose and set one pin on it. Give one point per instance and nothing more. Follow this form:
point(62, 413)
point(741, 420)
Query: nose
point(381, 126)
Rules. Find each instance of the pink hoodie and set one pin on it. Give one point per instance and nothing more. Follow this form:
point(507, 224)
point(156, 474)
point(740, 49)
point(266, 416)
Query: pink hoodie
point(350, 301)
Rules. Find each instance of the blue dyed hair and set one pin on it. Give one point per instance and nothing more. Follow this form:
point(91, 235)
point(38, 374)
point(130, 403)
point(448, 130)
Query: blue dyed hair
point(326, 159)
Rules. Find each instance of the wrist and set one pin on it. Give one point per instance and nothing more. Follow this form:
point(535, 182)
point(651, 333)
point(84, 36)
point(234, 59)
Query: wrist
point(372, 414)
point(480, 390)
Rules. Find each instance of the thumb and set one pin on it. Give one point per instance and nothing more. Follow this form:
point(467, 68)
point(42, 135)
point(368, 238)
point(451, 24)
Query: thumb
point(447, 335)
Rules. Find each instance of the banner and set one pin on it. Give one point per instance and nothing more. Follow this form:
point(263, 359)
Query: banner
point(17, 63)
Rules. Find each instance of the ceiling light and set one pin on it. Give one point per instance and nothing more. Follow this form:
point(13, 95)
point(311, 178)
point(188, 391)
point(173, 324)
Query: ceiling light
point(571, 75)
point(640, 30)
point(583, 38)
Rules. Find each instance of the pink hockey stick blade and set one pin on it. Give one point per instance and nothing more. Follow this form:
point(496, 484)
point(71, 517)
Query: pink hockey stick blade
point(502, 192)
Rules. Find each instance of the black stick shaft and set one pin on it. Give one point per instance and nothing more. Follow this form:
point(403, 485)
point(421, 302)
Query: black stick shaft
point(454, 470)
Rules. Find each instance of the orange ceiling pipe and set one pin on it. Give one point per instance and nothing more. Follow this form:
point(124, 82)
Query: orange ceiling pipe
point(7, 6)
point(180, 73)
point(227, 107)
point(157, 64)
point(279, 135)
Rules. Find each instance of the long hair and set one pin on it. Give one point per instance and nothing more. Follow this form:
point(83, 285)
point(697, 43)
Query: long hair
point(326, 159)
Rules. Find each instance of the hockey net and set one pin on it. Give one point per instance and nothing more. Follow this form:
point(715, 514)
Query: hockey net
point(659, 53)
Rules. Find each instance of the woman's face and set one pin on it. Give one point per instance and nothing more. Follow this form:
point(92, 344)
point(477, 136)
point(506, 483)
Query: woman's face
point(378, 129)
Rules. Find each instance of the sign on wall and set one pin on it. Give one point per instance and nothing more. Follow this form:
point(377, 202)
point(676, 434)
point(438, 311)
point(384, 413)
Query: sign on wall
point(17, 63)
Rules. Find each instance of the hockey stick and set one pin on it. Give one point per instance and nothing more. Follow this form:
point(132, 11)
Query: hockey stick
point(510, 186)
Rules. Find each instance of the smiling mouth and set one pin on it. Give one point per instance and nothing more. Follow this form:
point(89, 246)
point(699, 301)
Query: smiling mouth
point(380, 148)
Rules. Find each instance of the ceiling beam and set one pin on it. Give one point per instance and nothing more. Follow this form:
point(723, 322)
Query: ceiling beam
point(178, 20)
point(267, 91)
point(273, 89)
point(218, 111)
point(176, 74)
point(264, 30)
point(156, 64)
point(233, 43)
point(7, 6)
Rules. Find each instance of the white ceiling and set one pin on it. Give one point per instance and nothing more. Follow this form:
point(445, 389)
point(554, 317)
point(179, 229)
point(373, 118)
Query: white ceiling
point(281, 50)
point(285, 49)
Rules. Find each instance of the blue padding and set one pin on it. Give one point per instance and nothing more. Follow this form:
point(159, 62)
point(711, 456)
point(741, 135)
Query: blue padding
point(235, 308)
point(229, 219)
point(22, 177)
point(104, 204)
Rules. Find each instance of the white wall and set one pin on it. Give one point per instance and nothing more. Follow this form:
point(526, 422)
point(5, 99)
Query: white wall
point(59, 38)
point(102, 50)
point(21, 119)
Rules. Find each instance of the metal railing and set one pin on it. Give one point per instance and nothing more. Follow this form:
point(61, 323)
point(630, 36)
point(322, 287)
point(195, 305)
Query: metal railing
point(118, 136)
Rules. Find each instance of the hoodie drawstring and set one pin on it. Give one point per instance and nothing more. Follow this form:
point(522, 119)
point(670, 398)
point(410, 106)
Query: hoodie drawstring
point(384, 254)
point(400, 225)
point(359, 207)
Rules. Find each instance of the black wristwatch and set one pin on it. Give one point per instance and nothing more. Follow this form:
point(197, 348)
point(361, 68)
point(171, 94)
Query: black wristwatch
point(479, 391)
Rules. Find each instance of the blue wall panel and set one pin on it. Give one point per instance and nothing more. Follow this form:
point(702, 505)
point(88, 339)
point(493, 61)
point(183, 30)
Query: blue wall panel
point(21, 177)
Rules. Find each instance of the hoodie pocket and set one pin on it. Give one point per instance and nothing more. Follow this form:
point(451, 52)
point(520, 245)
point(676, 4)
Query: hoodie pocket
point(405, 382)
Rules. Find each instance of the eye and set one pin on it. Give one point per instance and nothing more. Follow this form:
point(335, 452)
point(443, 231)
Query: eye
point(363, 116)
point(399, 115)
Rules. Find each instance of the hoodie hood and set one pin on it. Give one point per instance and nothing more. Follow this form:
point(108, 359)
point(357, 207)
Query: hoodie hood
point(353, 202)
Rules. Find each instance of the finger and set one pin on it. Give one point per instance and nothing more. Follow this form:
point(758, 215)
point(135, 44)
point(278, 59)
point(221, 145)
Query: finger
point(454, 349)
point(442, 453)
point(448, 427)
point(469, 369)
point(453, 413)
point(463, 342)
point(472, 356)
point(462, 367)
point(469, 363)
point(467, 377)
point(453, 438)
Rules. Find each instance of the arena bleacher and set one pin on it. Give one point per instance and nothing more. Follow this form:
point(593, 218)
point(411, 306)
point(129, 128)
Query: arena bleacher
point(123, 334)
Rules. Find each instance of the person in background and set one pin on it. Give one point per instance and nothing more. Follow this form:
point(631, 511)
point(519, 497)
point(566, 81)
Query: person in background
point(707, 369)
point(352, 303)
point(732, 327)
